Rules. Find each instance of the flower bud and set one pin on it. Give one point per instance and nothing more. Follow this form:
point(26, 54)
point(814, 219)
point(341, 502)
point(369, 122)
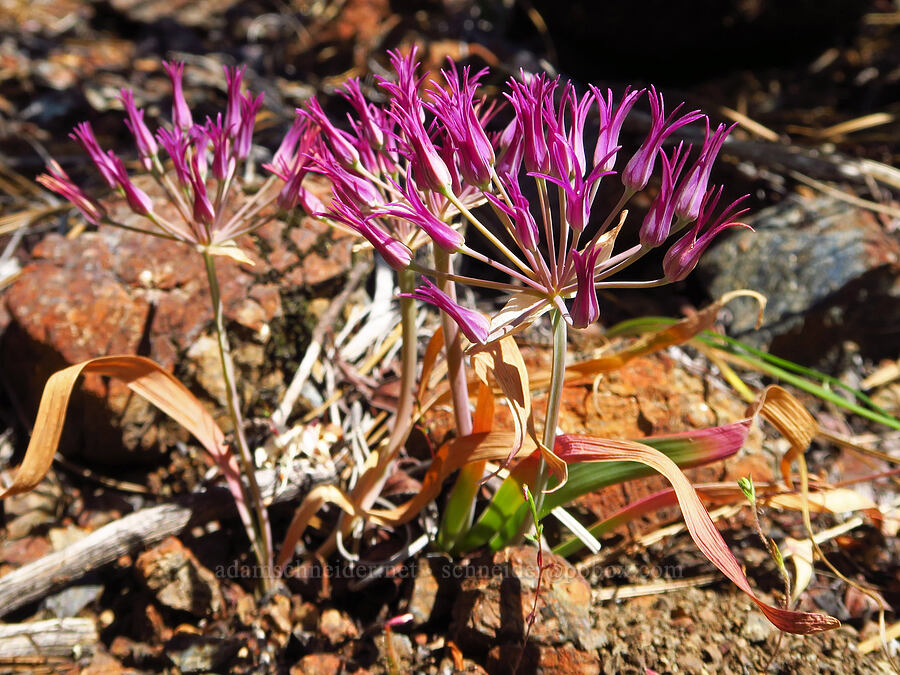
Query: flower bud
point(472, 324)
point(181, 113)
point(693, 188)
point(137, 199)
point(146, 144)
point(681, 259)
point(585, 308)
point(57, 180)
point(84, 134)
point(639, 168)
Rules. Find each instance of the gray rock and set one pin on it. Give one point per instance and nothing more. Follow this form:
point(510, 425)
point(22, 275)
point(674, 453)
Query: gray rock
point(178, 580)
point(69, 602)
point(757, 628)
point(434, 589)
point(395, 651)
point(200, 654)
point(830, 272)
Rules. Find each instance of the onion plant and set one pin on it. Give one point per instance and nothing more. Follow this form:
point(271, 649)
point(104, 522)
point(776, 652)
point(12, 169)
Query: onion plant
point(196, 166)
point(428, 168)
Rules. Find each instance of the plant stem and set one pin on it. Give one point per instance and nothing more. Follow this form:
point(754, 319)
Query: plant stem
point(370, 483)
point(554, 400)
point(368, 487)
point(459, 512)
point(456, 367)
point(513, 258)
point(261, 536)
point(409, 359)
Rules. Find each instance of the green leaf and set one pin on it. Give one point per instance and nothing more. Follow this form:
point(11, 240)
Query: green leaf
point(749, 490)
point(502, 521)
point(779, 559)
point(806, 379)
point(689, 449)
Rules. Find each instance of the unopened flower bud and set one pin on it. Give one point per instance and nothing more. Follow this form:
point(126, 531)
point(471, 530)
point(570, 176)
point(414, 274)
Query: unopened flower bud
point(181, 113)
point(585, 308)
point(472, 324)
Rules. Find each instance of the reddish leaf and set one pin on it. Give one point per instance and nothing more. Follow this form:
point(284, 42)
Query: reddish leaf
point(573, 449)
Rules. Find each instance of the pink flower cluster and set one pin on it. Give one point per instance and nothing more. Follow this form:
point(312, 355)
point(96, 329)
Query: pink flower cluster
point(433, 161)
point(433, 158)
point(204, 158)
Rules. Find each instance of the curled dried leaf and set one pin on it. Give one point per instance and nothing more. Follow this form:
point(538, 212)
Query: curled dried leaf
point(148, 380)
point(703, 531)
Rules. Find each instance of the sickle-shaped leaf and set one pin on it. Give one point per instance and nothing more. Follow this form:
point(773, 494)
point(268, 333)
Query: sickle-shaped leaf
point(501, 520)
point(703, 531)
point(143, 377)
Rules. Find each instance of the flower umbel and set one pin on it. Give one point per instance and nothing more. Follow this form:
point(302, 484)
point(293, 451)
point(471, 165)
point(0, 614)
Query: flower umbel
point(217, 147)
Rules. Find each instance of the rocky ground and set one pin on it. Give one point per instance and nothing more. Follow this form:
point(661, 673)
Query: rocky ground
point(826, 253)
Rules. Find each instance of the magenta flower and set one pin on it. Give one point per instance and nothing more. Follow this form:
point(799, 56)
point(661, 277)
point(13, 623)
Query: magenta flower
point(308, 201)
point(611, 124)
point(579, 115)
point(585, 309)
point(242, 141)
point(683, 256)
point(509, 149)
point(200, 142)
point(408, 112)
point(223, 161)
point(371, 118)
point(282, 158)
point(692, 190)
point(199, 153)
point(425, 160)
point(454, 166)
point(472, 324)
point(579, 189)
point(84, 134)
point(637, 172)
point(289, 196)
point(146, 144)
point(181, 113)
point(519, 212)
point(348, 186)
point(532, 100)
point(293, 193)
point(416, 212)
point(203, 208)
point(457, 110)
point(233, 77)
point(176, 145)
point(57, 180)
point(658, 221)
point(395, 253)
point(341, 142)
point(291, 163)
point(137, 199)
point(405, 89)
